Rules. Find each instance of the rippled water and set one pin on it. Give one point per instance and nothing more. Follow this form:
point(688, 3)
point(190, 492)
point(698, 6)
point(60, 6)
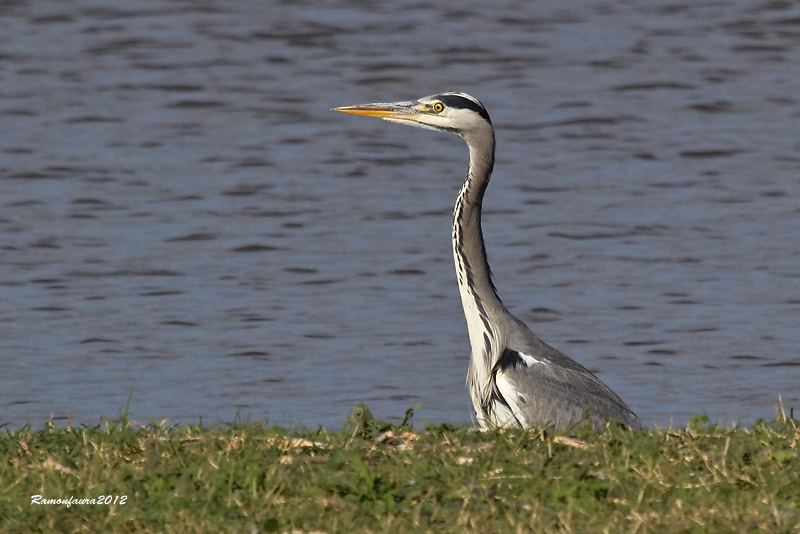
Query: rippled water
point(183, 220)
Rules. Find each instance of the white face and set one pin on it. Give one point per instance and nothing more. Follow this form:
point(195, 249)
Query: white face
point(435, 114)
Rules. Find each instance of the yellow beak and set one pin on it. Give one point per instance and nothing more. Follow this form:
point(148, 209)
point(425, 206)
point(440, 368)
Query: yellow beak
point(397, 111)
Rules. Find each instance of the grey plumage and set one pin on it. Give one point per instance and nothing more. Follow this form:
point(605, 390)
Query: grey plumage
point(514, 378)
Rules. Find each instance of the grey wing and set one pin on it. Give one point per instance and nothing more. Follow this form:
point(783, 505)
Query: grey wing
point(544, 387)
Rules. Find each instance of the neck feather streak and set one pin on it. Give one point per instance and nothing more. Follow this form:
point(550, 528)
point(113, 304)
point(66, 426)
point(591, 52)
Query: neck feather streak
point(478, 295)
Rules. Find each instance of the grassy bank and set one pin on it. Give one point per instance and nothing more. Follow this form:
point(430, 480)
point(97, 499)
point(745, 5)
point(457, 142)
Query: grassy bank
point(373, 477)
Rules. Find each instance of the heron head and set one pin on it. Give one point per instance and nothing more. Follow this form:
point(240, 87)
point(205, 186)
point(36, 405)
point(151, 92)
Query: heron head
point(459, 113)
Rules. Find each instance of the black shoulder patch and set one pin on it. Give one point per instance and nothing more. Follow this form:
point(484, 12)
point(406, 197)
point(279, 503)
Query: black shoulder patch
point(510, 359)
point(460, 102)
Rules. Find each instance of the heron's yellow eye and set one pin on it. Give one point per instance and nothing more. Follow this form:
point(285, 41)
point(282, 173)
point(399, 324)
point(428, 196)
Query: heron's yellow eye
point(437, 107)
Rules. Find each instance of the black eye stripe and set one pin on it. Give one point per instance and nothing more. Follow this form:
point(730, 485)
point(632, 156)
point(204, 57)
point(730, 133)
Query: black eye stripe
point(459, 102)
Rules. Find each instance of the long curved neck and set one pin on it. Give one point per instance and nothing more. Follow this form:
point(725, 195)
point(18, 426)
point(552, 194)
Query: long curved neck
point(478, 295)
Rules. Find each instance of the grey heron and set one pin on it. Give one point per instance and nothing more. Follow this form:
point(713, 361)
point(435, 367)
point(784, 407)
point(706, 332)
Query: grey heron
point(514, 378)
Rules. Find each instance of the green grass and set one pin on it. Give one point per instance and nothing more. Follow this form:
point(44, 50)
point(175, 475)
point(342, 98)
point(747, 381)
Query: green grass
point(374, 477)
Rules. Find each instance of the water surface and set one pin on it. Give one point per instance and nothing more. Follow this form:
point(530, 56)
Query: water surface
point(184, 221)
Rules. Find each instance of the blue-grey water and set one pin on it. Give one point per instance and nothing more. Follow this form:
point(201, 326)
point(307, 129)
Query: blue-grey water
point(183, 220)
